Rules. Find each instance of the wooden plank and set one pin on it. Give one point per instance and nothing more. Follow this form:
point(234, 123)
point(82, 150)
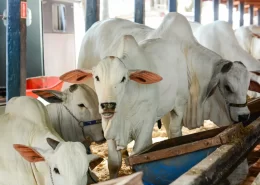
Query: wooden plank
point(183, 140)
point(13, 49)
point(224, 137)
point(226, 158)
point(173, 151)
point(133, 179)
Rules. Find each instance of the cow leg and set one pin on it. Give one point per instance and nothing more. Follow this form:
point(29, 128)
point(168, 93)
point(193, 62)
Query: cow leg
point(114, 159)
point(166, 123)
point(143, 140)
point(175, 127)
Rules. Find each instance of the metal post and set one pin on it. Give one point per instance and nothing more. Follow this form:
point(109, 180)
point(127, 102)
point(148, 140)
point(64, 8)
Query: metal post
point(216, 9)
point(92, 12)
point(172, 5)
point(139, 11)
point(23, 46)
point(251, 10)
point(197, 10)
point(13, 49)
point(230, 11)
point(241, 9)
point(258, 16)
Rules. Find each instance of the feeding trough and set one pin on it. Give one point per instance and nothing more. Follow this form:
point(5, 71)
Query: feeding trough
point(164, 162)
point(42, 83)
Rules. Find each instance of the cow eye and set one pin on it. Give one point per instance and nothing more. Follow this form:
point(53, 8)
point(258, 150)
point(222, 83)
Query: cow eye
point(56, 170)
point(228, 89)
point(81, 105)
point(97, 78)
point(123, 79)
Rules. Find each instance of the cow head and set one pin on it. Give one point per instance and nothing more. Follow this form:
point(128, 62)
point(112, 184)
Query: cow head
point(67, 161)
point(111, 76)
point(232, 80)
point(82, 101)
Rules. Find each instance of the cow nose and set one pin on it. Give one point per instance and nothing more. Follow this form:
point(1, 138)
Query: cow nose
point(108, 105)
point(243, 117)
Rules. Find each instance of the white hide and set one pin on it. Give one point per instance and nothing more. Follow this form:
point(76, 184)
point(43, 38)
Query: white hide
point(220, 38)
point(178, 58)
point(26, 122)
point(248, 38)
point(82, 102)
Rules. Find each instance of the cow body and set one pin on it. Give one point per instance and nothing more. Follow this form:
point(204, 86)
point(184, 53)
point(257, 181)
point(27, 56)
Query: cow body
point(220, 38)
point(249, 39)
point(174, 54)
point(25, 123)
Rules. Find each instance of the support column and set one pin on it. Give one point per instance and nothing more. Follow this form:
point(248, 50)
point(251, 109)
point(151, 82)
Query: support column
point(197, 9)
point(172, 5)
point(139, 11)
point(13, 37)
point(23, 32)
point(258, 16)
point(216, 9)
point(92, 12)
point(251, 11)
point(241, 9)
point(230, 11)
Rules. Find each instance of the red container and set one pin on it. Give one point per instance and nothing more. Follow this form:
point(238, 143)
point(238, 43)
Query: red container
point(42, 83)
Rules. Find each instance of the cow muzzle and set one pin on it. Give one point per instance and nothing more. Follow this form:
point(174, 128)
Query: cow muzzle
point(108, 110)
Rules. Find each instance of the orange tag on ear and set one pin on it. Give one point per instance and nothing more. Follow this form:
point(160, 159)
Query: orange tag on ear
point(28, 153)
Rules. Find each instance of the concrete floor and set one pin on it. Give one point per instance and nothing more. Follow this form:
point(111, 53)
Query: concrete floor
point(2, 110)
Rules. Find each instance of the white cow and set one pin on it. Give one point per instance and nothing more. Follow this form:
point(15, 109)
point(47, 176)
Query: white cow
point(220, 38)
point(41, 156)
point(74, 113)
point(249, 39)
point(129, 109)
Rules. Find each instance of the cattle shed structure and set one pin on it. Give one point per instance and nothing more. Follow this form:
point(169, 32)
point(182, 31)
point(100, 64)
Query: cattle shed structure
point(16, 31)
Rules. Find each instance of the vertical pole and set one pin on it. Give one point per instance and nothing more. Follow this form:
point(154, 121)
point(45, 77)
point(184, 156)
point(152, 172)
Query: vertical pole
point(258, 16)
point(216, 9)
point(172, 5)
point(230, 11)
point(139, 11)
point(23, 47)
point(13, 49)
point(241, 9)
point(92, 12)
point(251, 10)
point(197, 10)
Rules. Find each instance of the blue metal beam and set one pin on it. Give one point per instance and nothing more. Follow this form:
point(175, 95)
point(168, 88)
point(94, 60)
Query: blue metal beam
point(241, 9)
point(92, 13)
point(13, 49)
point(172, 5)
point(258, 16)
point(197, 10)
point(139, 11)
point(216, 9)
point(251, 11)
point(230, 11)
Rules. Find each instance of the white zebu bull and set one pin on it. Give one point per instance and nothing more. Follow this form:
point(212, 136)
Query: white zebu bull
point(41, 156)
point(74, 113)
point(129, 109)
point(220, 38)
point(249, 39)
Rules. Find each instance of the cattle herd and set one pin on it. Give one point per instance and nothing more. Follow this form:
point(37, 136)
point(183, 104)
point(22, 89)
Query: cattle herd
point(128, 77)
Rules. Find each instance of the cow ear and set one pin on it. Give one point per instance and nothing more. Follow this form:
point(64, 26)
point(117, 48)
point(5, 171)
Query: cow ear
point(144, 77)
point(76, 76)
point(50, 96)
point(28, 153)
